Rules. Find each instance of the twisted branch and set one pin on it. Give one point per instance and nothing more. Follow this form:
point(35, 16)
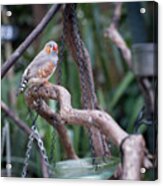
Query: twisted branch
point(88, 118)
point(70, 153)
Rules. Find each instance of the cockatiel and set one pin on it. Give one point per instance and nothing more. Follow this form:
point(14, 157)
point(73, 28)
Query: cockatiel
point(42, 67)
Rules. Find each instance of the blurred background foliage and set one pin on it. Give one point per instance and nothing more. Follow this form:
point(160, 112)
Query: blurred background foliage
point(116, 87)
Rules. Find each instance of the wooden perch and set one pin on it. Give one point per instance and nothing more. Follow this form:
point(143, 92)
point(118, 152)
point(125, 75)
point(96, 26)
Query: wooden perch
point(69, 115)
point(37, 93)
point(54, 119)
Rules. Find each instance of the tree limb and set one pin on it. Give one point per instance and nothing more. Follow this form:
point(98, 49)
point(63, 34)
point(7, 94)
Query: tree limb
point(24, 127)
point(133, 157)
point(99, 119)
point(70, 153)
point(115, 36)
point(25, 44)
point(113, 33)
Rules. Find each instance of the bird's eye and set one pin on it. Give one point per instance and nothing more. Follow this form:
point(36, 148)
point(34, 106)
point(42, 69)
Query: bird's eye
point(50, 46)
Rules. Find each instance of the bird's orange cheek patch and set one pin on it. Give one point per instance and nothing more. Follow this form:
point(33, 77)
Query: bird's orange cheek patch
point(47, 50)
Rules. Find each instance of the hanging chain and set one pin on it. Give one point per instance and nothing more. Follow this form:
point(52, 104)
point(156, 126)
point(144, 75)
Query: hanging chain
point(145, 116)
point(105, 147)
point(28, 154)
point(58, 81)
point(93, 96)
point(42, 149)
point(79, 57)
point(61, 51)
point(52, 148)
point(34, 135)
point(29, 149)
point(83, 67)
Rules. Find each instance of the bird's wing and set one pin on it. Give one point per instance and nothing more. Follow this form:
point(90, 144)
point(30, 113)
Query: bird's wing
point(42, 66)
point(39, 61)
point(31, 70)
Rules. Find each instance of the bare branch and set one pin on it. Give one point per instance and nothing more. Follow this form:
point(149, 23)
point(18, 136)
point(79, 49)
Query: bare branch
point(117, 13)
point(24, 127)
point(16, 120)
point(55, 121)
point(68, 115)
point(70, 153)
point(99, 119)
point(115, 36)
point(133, 152)
point(25, 44)
point(136, 146)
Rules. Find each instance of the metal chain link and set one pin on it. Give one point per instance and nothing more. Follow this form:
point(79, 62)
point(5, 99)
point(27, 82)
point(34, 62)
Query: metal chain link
point(27, 155)
point(42, 149)
point(81, 59)
point(79, 55)
point(93, 96)
point(52, 150)
point(58, 81)
point(61, 50)
point(34, 135)
point(29, 150)
point(106, 152)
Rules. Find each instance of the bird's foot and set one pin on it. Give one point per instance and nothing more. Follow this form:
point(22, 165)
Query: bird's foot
point(37, 103)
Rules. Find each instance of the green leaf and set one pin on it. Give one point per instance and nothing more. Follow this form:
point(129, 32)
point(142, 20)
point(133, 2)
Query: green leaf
point(83, 168)
point(121, 89)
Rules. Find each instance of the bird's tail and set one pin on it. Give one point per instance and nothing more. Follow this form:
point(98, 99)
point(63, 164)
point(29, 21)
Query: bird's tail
point(22, 86)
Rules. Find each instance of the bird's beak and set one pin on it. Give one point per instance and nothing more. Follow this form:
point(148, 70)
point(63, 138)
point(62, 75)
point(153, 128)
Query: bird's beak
point(55, 48)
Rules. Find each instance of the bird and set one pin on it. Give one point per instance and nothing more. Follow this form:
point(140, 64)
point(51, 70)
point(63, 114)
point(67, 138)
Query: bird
point(42, 66)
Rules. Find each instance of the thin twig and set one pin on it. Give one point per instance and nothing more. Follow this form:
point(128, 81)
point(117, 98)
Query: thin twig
point(16, 120)
point(115, 36)
point(26, 43)
point(117, 13)
point(23, 126)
